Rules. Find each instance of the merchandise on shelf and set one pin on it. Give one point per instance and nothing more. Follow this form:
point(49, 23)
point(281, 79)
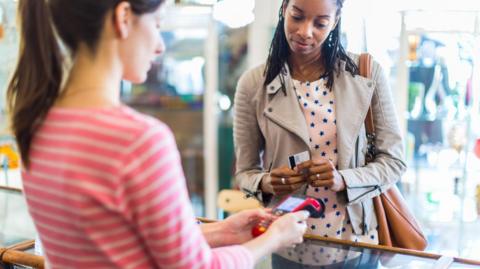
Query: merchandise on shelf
point(478, 199)
point(477, 148)
point(9, 157)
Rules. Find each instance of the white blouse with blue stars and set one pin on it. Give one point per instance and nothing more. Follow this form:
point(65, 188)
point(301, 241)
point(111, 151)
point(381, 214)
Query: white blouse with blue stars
point(318, 105)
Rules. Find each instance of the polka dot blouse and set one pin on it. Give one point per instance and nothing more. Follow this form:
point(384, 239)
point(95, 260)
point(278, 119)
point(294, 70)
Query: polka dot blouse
point(318, 105)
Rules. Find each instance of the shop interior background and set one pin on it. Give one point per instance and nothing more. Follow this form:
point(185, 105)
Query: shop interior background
point(429, 49)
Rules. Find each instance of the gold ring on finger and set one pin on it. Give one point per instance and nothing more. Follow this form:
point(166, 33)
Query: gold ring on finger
point(283, 180)
point(318, 176)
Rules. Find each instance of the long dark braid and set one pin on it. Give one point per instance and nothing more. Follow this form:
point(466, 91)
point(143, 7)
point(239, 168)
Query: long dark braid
point(279, 50)
point(332, 51)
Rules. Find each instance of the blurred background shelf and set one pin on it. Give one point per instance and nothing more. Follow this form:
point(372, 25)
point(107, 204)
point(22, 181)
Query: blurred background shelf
point(430, 51)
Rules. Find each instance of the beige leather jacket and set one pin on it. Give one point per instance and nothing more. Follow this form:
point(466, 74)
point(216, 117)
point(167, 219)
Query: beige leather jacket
point(269, 125)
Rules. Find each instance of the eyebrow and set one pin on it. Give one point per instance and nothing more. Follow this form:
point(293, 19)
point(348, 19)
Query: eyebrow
point(320, 16)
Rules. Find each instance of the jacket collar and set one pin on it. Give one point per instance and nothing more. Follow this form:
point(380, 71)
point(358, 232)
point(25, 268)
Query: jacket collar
point(352, 99)
point(283, 107)
point(276, 84)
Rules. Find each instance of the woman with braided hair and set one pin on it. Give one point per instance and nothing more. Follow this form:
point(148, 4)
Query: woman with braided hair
point(309, 96)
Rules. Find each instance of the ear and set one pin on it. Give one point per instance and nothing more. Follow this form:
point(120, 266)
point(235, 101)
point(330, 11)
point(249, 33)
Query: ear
point(122, 19)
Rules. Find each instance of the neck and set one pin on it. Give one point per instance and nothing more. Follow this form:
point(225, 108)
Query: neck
point(94, 80)
point(306, 67)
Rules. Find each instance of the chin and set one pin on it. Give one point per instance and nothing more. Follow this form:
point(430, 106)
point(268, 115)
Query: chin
point(137, 79)
point(302, 52)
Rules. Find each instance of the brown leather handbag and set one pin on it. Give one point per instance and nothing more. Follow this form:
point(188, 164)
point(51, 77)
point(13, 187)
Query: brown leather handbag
point(397, 226)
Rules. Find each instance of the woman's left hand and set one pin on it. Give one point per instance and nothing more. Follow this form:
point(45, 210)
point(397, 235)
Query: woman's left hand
point(238, 227)
point(322, 173)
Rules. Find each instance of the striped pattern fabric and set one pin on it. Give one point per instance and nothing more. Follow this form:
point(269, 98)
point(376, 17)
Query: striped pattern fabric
point(106, 189)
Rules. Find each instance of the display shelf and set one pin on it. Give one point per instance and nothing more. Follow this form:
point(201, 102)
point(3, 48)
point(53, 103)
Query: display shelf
point(438, 62)
point(16, 224)
point(317, 252)
point(181, 90)
point(8, 52)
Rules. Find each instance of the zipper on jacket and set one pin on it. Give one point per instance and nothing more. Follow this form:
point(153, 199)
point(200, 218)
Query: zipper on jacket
point(376, 187)
point(356, 151)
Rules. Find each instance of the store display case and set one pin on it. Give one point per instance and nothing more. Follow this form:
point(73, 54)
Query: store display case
point(438, 72)
point(8, 52)
point(314, 252)
point(16, 224)
point(9, 157)
point(320, 252)
point(17, 236)
point(181, 91)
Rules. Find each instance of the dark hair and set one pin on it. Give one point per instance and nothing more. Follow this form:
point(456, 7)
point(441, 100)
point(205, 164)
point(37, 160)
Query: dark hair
point(332, 51)
point(36, 81)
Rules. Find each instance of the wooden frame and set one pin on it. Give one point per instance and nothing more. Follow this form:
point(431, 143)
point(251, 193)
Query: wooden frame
point(390, 249)
point(16, 255)
point(12, 189)
point(377, 247)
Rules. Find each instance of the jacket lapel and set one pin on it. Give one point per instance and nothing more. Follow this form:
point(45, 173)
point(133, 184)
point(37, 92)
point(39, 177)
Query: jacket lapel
point(283, 107)
point(353, 96)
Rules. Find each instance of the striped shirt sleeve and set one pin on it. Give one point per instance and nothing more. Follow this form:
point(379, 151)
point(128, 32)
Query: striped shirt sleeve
point(153, 196)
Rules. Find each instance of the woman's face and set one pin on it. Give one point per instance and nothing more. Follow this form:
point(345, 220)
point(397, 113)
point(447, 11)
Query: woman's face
point(308, 24)
point(144, 44)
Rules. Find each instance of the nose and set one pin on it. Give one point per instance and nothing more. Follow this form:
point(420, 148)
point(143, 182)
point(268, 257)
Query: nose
point(160, 48)
point(306, 30)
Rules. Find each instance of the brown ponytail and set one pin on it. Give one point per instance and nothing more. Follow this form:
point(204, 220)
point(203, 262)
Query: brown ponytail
point(35, 83)
point(37, 79)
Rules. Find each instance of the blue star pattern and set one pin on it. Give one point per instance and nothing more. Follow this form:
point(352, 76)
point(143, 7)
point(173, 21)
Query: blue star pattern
point(318, 105)
point(318, 256)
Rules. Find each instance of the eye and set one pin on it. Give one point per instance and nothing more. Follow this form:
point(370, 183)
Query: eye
point(321, 23)
point(296, 18)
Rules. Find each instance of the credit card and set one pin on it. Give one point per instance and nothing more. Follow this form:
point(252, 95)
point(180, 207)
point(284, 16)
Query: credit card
point(296, 159)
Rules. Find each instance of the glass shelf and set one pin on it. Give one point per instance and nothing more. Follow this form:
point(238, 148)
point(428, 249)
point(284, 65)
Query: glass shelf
point(16, 224)
point(443, 172)
point(317, 252)
point(175, 92)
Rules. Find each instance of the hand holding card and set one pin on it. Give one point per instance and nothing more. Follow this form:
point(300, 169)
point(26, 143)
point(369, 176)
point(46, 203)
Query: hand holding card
point(285, 180)
point(322, 173)
point(282, 181)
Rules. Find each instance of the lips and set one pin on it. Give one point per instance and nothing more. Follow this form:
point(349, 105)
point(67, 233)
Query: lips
point(301, 45)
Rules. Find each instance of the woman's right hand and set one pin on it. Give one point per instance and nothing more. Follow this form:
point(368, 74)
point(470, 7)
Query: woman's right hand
point(288, 230)
point(282, 180)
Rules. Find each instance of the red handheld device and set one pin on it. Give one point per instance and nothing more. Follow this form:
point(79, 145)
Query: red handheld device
point(293, 203)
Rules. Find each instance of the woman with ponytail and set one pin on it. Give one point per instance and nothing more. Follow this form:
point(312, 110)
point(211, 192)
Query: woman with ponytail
point(309, 96)
point(104, 183)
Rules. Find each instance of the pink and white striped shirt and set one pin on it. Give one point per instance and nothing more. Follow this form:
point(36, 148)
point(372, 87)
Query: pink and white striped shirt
point(106, 189)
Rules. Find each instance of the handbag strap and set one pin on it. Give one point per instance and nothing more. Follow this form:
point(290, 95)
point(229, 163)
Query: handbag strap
point(365, 70)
